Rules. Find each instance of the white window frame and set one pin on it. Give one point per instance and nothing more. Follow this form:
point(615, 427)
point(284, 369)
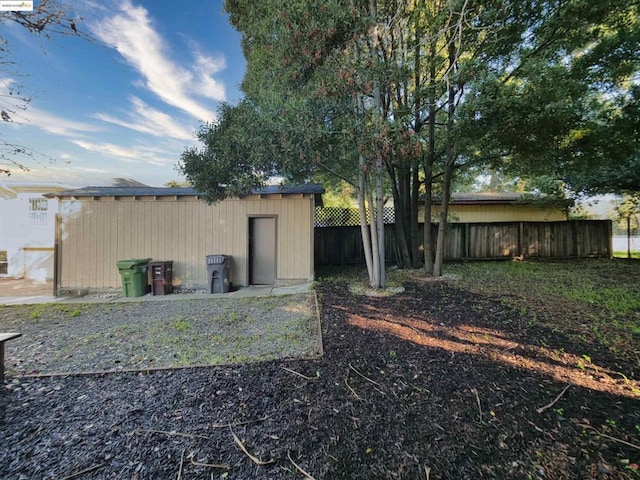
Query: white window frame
point(4, 262)
point(38, 210)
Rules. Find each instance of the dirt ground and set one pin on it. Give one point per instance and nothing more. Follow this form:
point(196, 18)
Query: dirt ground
point(24, 287)
point(432, 383)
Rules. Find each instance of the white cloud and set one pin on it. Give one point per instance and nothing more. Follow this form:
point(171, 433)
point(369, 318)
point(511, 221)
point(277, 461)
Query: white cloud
point(109, 149)
point(6, 85)
point(205, 68)
point(71, 175)
point(53, 124)
point(130, 31)
point(146, 119)
point(150, 155)
point(45, 121)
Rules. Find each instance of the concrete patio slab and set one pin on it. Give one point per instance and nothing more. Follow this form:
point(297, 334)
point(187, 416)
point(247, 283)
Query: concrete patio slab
point(28, 292)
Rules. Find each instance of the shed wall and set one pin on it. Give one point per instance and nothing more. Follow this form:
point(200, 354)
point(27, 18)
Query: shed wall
point(96, 233)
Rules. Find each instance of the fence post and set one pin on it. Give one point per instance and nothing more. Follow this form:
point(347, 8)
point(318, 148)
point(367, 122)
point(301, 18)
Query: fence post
point(521, 239)
point(467, 240)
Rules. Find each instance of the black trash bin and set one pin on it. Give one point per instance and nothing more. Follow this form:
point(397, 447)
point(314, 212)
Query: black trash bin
point(218, 270)
point(161, 277)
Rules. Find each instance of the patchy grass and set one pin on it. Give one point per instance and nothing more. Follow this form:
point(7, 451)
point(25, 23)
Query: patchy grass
point(601, 296)
point(624, 254)
point(593, 301)
point(143, 335)
point(358, 279)
point(608, 284)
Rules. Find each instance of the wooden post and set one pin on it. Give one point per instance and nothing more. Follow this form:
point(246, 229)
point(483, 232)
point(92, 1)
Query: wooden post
point(521, 239)
point(576, 238)
point(56, 255)
point(467, 240)
point(3, 338)
point(628, 239)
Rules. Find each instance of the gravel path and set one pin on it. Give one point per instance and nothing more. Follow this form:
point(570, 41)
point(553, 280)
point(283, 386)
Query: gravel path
point(73, 338)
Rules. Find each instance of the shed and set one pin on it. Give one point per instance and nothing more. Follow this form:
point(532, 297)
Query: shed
point(268, 234)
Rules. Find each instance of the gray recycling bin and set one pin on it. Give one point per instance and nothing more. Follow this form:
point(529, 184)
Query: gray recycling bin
point(218, 270)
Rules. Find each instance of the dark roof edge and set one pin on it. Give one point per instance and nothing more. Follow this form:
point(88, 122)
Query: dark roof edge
point(307, 188)
point(504, 198)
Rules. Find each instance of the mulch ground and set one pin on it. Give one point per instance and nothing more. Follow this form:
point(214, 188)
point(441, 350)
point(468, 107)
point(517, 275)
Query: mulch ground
point(433, 383)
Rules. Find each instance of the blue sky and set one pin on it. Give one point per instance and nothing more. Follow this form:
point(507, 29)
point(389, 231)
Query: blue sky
point(128, 103)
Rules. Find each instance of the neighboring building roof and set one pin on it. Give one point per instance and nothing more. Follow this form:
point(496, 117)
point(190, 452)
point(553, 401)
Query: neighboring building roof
point(126, 182)
point(307, 188)
point(12, 189)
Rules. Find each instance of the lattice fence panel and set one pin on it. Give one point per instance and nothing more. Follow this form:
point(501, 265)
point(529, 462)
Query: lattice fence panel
point(346, 217)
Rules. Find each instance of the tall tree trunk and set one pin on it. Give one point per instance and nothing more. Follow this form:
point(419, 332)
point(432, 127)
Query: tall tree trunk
point(382, 283)
point(403, 257)
point(417, 127)
point(442, 225)
point(413, 225)
point(362, 210)
point(377, 206)
point(429, 162)
point(367, 241)
point(427, 235)
point(449, 162)
point(375, 245)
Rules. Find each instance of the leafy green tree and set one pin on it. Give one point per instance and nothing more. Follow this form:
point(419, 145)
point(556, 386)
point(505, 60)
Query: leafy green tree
point(232, 160)
point(567, 105)
point(302, 108)
point(339, 196)
point(422, 91)
point(628, 213)
point(177, 184)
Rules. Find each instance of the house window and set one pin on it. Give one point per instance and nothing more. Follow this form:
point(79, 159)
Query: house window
point(4, 263)
point(38, 210)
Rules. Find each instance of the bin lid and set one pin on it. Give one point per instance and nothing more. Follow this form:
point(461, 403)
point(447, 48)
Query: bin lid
point(134, 262)
point(217, 259)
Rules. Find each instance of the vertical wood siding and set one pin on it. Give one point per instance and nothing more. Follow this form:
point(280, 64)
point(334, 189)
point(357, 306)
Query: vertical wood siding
point(96, 233)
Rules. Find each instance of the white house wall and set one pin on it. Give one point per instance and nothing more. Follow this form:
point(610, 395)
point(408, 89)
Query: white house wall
point(28, 242)
point(96, 233)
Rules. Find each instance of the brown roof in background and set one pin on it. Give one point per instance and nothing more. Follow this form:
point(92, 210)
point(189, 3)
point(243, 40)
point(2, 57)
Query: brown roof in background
point(486, 198)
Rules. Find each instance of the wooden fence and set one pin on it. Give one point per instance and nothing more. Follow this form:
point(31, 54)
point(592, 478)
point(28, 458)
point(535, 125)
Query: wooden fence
point(480, 241)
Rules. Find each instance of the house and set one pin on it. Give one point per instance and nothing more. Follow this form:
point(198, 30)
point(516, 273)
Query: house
point(490, 207)
point(27, 223)
point(268, 234)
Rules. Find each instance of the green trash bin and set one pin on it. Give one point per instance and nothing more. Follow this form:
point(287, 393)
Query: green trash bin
point(133, 274)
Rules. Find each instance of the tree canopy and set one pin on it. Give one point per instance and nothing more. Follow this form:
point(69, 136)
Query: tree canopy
point(399, 97)
point(568, 106)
